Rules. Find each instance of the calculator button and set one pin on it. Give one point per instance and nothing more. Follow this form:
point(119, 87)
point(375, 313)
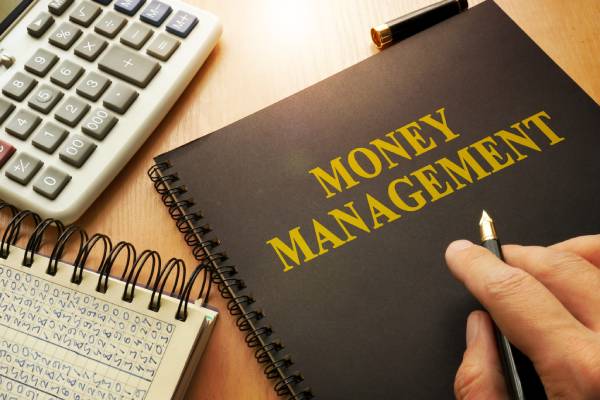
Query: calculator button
point(76, 150)
point(40, 25)
point(98, 124)
point(92, 86)
point(23, 168)
point(136, 35)
point(130, 66)
point(163, 46)
point(22, 124)
point(155, 13)
point(65, 35)
point(119, 98)
point(57, 7)
point(6, 151)
point(90, 47)
point(66, 74)
point(45, 98)
point(85, 13)
point(19, 86)
point(49, 137)
point(51, 182)
point(71, 111)
point(182, 24)
point(5, 109)
point(110, 24)
point(129, 7)
point(41, 62)
point(103, 2)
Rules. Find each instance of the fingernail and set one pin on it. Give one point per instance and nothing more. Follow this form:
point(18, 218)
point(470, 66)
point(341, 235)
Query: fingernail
point(473, 323)
point(459, 245)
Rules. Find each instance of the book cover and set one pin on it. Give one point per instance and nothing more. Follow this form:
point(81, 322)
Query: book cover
point(336, 204)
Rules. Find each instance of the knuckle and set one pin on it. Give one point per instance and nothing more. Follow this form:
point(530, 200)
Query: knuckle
point(535, 254)
point(563, 260)
point(513, 282)
point(558, 264)
point(468, 381)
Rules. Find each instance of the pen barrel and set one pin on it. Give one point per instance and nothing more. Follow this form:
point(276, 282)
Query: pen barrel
point(511, 375)
point(417, 21)
point(495, 247)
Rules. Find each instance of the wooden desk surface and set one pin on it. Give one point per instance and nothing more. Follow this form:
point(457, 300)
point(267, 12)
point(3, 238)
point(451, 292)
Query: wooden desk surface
point(271, 49)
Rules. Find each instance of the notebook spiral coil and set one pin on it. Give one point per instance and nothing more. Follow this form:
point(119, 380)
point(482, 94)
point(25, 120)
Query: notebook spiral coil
point(123, 252)
point(249, 319)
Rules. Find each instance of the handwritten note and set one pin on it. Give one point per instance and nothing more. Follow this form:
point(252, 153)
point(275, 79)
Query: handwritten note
point(58, 343)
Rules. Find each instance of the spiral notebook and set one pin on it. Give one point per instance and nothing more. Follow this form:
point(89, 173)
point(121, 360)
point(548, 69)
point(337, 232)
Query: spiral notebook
point(99, 338)
point(326, 215)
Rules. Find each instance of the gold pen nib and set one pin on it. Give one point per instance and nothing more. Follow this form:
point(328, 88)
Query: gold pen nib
point(486, 227)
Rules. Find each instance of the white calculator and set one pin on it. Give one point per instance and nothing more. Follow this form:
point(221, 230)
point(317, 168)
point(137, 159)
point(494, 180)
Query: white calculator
point(84, 83)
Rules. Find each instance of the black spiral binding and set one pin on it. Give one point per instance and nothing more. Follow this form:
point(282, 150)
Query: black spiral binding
point(122, 252)
point(206, 250)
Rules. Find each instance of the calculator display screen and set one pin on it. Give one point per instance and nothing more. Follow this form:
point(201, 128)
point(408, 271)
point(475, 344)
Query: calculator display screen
point(10, 10)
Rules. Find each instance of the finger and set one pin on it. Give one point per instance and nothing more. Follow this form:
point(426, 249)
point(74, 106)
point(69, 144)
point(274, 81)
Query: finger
point(573, 280)
point(480, 373)
point(587, 247)
point(524, 309)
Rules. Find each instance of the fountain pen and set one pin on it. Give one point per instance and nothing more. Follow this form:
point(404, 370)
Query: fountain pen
point(407, 25)
point(489, 240)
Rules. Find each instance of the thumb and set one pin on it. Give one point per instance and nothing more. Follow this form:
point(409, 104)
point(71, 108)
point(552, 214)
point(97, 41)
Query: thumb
point(480, 373)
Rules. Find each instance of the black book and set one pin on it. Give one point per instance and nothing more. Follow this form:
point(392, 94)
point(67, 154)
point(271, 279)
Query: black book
point(329, 212)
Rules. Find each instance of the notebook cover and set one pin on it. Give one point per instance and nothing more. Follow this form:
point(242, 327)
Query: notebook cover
point(380, 316)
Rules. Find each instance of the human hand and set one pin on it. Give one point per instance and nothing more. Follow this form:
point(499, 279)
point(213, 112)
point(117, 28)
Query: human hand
point(546, 301)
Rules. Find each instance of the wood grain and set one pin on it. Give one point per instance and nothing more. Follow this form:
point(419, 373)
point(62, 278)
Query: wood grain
point(271, 49)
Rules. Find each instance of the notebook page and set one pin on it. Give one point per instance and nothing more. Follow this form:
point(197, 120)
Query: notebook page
point(59, 340)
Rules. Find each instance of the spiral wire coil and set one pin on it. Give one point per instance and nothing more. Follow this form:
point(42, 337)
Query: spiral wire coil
point(109, 255)
point(250, 320)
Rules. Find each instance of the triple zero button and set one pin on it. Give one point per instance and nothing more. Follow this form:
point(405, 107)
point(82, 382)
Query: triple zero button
point(129, 66)
point(98, 124)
